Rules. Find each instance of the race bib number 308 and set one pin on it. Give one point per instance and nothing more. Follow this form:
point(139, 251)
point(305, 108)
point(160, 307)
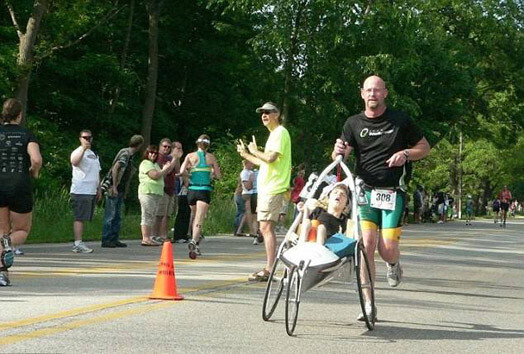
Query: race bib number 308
point(383, 199)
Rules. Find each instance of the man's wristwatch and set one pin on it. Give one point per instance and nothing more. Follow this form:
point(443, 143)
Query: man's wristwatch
point(406, 154)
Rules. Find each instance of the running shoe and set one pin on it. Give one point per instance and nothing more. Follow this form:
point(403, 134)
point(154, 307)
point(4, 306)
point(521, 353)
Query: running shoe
point(367, 306)
point(82, 248)
point(394, 274)
point(4, 278)
point(18, 252)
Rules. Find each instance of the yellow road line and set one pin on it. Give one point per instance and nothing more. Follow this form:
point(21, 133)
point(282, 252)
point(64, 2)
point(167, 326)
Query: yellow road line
point(425, 242)
point(99, 307)
point(81, 323)
point(69, 313)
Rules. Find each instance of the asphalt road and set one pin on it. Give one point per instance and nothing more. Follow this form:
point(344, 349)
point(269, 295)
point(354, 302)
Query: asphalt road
point(462, 292)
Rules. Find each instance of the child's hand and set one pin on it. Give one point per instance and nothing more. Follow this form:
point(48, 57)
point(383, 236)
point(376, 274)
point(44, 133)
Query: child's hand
point(310, 204)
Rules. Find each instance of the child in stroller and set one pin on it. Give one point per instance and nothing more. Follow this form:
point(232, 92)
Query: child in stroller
point(328, 214)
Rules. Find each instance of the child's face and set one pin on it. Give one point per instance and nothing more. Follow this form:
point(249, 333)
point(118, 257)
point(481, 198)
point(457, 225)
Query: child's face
point(338, 198)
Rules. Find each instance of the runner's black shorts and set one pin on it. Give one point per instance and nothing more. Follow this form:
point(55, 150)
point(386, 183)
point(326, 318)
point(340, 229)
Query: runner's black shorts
point(19, 200)
point(504, 206)
point(198, 195)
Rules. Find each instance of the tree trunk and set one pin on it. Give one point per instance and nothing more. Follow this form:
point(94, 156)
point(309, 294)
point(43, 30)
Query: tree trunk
point(153, 8)
point(486, 196)
point(125, 50)
point(25, 53)
point(459, 204)
point(290, 63)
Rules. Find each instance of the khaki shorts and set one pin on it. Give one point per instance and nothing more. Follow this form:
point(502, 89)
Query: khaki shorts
point(269, 206)
point(149, 206)
point(285, 206)
point(166, 206)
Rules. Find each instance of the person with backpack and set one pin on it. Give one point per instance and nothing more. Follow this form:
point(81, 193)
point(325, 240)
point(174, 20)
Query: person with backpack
point(116, 185)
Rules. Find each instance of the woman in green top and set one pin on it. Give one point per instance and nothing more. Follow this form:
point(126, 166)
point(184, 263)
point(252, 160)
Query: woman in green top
point(202, 167)
point(150, 191)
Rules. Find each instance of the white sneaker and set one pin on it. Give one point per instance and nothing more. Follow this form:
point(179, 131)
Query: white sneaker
point(369, 313)
point(4, 278)
point(18, 252)
point(82, 248)
point(440, 222)
point(394, 274)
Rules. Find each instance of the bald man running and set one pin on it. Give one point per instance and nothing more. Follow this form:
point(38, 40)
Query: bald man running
point(384, 141)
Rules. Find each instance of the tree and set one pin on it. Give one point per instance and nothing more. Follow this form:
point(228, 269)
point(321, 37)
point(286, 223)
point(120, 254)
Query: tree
point(153, 10)
point(26, 48)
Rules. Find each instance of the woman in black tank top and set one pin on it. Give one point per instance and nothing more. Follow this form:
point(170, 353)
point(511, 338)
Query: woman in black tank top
point(20, 160)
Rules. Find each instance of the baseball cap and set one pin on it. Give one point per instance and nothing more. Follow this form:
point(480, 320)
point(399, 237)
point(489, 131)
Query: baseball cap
point(268, 106)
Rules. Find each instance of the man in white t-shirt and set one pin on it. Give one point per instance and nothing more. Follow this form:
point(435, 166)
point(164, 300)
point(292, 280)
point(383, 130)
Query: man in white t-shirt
point(85, 189)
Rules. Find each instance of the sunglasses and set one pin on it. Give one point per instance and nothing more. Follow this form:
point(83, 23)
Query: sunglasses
point(166, 146)
point(267, 112)
point(88, 138)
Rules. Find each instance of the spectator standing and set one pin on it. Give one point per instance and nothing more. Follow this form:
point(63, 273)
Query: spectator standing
point(176, 152)
point(273, 179)
point(496, 209)
point(505, 199)
point(439, 200)
point(298, 185)
point(117, 181)
point(254, 202)
point(203, 168)
point(151, 191)
point(450, 206)
point(167, 203)
point(281, 228)
point(240, 205)
point(85, 190)
point(385, 141)
point(182, 228)
point(247, 177)
point(19, 162)
point(469, 209)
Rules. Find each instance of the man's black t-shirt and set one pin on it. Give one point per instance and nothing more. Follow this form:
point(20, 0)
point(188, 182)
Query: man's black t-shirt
point(330, 222)
point(14, 159)
point(375, 140)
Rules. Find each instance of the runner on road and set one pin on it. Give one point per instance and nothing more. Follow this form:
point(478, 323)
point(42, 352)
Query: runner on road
point(384, 141)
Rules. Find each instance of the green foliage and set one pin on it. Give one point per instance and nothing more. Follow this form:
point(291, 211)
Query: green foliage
point(452, 65)
point(53, 219)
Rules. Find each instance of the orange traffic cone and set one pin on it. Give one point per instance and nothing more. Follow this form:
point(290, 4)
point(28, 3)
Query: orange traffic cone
point(165, 283)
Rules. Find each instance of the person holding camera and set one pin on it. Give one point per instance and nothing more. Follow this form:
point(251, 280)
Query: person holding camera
point(116, 185)
point(85, 191)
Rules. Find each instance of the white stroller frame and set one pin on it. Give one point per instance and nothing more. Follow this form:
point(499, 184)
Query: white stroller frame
point(302, 266)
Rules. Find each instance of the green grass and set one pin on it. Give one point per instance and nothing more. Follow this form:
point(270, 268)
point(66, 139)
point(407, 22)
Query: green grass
point(221, 215)
point(53, 219)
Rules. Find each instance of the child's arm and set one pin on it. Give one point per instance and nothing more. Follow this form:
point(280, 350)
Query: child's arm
point(306, 209)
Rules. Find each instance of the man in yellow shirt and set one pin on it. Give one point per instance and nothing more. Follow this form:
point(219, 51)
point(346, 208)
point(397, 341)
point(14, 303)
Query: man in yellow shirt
point(273, 179)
